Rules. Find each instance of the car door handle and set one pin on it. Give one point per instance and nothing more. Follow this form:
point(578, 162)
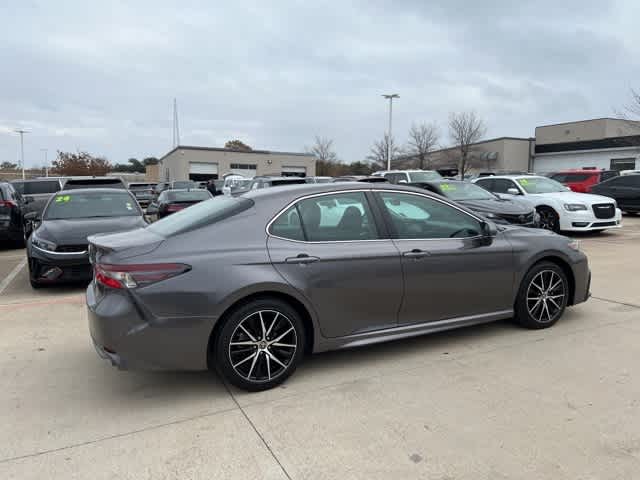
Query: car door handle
point(416, 253)
point(301, 259)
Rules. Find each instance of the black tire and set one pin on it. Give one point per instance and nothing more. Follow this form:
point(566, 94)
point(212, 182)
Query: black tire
point(542, 297)
point(549, 219)
point(35, 285)
point(251, 364)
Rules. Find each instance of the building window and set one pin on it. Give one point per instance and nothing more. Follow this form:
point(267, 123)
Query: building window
point(623, 163)
point(244, 166)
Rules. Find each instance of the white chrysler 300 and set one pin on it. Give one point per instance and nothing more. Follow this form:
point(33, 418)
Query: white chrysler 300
point(560, 209)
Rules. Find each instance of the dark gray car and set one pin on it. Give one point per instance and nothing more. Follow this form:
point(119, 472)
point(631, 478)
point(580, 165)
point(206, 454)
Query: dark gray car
point(58, 248)
point(248, 284)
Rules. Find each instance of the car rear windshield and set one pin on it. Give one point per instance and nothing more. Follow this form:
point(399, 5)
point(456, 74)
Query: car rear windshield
point(465, 191)
point(185, 184)
point(188, 196)
point(94, 183)
point(203, 213)
point(37, 188)
point(424, 176)
point(141, 186)
point(69, 205)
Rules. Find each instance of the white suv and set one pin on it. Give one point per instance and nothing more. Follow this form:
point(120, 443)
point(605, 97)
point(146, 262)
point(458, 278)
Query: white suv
point(408, 176)
point(560, 209)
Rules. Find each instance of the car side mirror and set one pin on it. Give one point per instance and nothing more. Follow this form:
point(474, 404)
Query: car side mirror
point(513, 191)
point(488, 230)
point(32, 216)
point(402, 181)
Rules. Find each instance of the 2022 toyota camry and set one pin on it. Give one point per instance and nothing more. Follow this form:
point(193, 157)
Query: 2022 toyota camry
point(249, 284)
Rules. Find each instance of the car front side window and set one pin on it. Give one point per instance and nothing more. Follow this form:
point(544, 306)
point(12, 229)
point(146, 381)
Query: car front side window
point(420, 217)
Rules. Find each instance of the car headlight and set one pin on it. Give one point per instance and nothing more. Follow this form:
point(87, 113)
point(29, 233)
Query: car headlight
point(574, 244)
point(574, 207)
point(43, 244)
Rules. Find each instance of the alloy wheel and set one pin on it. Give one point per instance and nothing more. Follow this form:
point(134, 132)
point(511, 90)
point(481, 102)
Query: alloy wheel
point(263, 346)
point(545, 296)
point(548, 220)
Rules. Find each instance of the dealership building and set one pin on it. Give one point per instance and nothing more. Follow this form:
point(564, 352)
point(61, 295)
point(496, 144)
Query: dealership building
point(601, 143)
point(207, 163)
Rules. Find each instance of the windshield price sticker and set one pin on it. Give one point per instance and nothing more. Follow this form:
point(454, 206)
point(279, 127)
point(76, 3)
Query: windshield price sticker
point(523, 181)
point(63, 199)
point(447, 187)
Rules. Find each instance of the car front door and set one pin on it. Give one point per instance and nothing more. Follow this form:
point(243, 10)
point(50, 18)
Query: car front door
point(450, 269)
point(626, 191)
point(331, 248)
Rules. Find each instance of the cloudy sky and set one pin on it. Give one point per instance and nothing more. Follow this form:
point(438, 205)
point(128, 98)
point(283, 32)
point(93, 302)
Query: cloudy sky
point(101, 76)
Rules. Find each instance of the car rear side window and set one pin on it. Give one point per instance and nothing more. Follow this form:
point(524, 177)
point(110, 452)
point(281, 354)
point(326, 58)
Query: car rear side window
point(204, 213)
point(328, 218)
point(288, 225)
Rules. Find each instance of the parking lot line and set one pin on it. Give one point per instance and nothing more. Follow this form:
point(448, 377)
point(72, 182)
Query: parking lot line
point(75, 299)
point(9, 278)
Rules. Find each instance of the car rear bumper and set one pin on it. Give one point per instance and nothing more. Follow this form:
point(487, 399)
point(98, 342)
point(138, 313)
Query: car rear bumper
point(124, 333)
point(585, 221)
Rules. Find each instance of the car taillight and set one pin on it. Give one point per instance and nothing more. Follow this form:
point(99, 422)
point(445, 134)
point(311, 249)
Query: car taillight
point(7, 203)
point(137, 275)
point(174, 208)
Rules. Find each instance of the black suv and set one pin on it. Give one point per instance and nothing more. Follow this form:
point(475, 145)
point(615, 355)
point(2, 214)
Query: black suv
point(37, 191)
point(12, 210)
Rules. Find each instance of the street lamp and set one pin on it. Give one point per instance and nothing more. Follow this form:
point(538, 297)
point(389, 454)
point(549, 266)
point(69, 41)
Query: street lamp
point(21, 132)
point(390, 96)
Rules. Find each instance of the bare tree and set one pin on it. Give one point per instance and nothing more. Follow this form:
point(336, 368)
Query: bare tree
point(422, 140)
point(323, 150)
point(465, 129)
point(380, 151)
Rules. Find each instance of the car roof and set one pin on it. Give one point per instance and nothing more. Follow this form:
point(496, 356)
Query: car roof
point(276, 177)
point(75, 191)
point(512, 177)
point(39, 179)
point(89, 177)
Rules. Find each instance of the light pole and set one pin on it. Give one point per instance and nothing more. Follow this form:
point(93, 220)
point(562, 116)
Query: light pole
point(46, 162)
point(21, 132)
point(390, 97)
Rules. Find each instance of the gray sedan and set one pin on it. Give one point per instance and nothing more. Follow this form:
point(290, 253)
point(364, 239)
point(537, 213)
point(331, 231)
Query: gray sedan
point(247, 285)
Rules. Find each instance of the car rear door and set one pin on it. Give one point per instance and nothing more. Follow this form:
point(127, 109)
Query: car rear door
point(333, 248)
point(449, 269)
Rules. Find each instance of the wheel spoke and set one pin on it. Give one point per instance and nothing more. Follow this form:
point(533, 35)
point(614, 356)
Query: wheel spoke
point(253, 364)
point(264, 330)
point(283, 345)
point(275, 359)
point(247, 332)
point(233, 344)
point(245, 360)
point(552, 288)
point(532, 309)
point(268, 366)
point(282, 336)
point(273, 322)
point(534, 284)
point(554, 302)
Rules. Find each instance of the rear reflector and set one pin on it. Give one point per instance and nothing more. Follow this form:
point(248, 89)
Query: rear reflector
point(137, 275)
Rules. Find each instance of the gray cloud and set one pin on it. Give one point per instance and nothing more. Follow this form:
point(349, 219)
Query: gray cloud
point(102, 77)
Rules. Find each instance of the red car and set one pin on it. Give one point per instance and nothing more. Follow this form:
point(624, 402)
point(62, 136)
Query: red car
point(583, 180)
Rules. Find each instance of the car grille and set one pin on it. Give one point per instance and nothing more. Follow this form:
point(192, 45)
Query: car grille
point(72, 248)
point(603, 224)
point(525, 218)
point(604, 210)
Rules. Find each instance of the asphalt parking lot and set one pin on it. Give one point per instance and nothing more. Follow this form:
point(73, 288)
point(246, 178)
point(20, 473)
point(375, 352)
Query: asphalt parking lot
point(492, 401)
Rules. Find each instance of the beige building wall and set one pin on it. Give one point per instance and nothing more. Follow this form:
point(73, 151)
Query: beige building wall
point(595, 129)
point(497, 154)
point(175, 165)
